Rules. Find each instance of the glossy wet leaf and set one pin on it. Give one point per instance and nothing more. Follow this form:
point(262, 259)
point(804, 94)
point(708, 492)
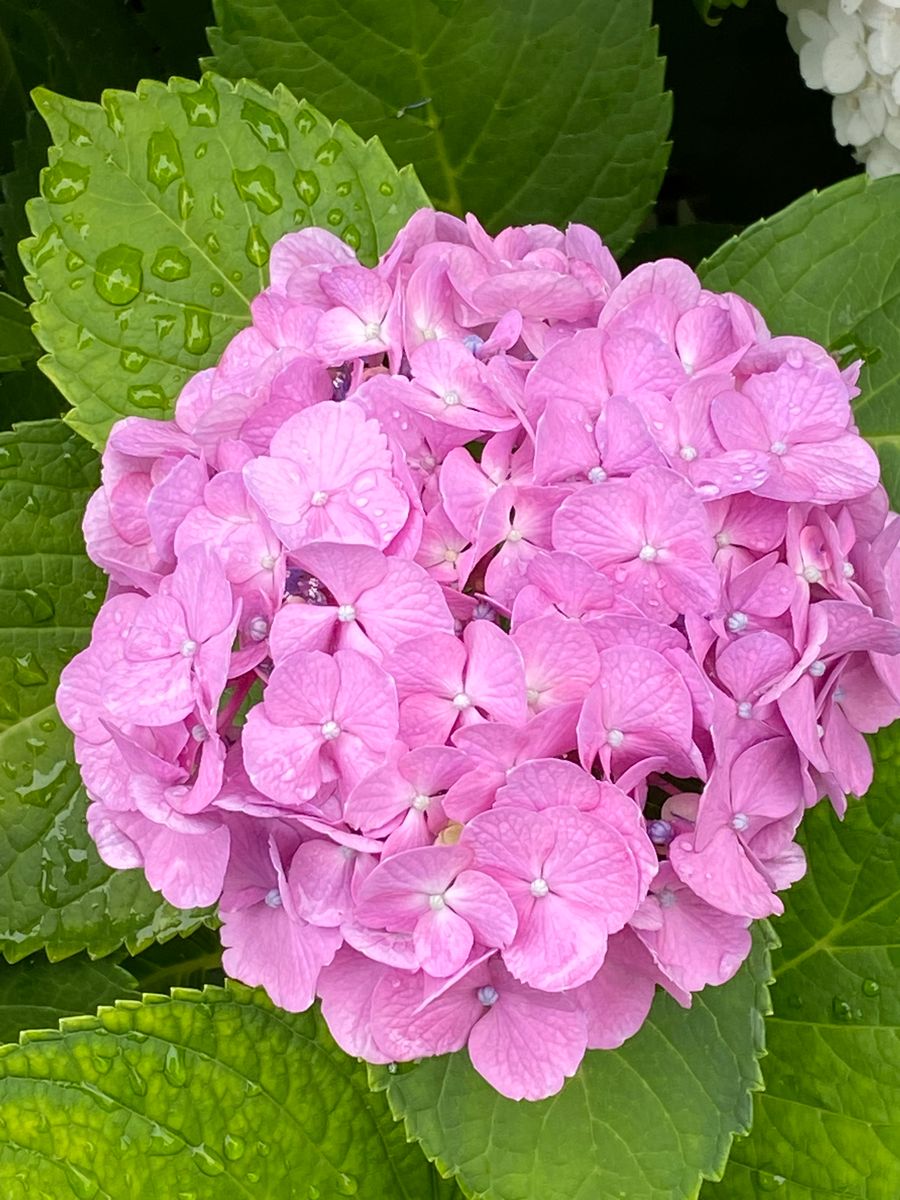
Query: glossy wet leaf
point(157, 214)
point(37, 994)
point(191, 961)
point(214, 1095)
point(827, 268)
point(54, 891)
point(828, 1124)
point(644, 1122)
point(534, 112)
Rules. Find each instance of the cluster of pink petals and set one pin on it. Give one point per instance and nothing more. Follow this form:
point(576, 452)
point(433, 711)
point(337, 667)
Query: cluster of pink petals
point(479, 631)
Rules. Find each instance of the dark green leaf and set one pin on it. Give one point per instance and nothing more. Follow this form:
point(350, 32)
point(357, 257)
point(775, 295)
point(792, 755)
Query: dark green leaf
point(17, 344)
point(644, 1122)
point(37, 994)
point(828, 268)
point(214, 1096)
point(537, 112)
point(156, 219)
point(191, 961)
point(17, 187)
point(828, 1124)
point(54, 891)
point(712, 10)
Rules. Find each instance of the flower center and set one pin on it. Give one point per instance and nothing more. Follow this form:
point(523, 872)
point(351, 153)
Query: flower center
point(331, 730)
point(319, 498)
point(346, 612)
point(372, 330)
point(688, 453)
point(666, 897)
point(473, 342)
point(451, 555)
point(488, 995)
point(848, 570)
point(744, 709)
point(188, 647)
point(723, 539)
point(198, 733)
point(817, 669)
point(648, 553)
point(737, 622)
point(267, 562)
point(273, 898)
point(461, 700)
point(779, 448)
point(514, 535)
point(259, 628)
point(812, 574)
point(451, 398)
point(597, 475)
point(615, 738)
point(436, 903)
point(740, 821)
point(420, 802)
point(540, 888)
point(660, 832)
point(533, 695)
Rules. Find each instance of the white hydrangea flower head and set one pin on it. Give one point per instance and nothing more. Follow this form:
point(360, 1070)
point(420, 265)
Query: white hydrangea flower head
point(851, 49)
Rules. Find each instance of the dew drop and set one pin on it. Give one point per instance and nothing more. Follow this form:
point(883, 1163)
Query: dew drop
point(113, 109)
point(201, 150)
point(386, 188)
point(170, 264)
point(329, 152)
point(306, 185)
point(234, 1147)
point(216, 207)
point(37, 601)
point(79, 136)
point(352, 237)
point(335, 216)
point(174, 1067)
point(769, 1182)
point(841, 1009)
point(132, 360)
point(161, 1141)
point(871, 987)
point(64, 182)
point(306, 121)
point(201, 106)
point(346, 1184)
point(258, 187)
point(74, 261)
point(209, 1163)
point(216, 289)
point(48, 726)
point(118, 275)
point(262, 1149)
point(136, 1079)
point(212, 243)
point(256, 247)
point(164, 326)
point(28, 671)
point(267, 126)
point(47, 889)
point(164, 161)
point(185, 201)
point(147, 396)
point(47, 245)
point(197, 334)
point(344, 187)
point(313, 1192)
point(84, 1185)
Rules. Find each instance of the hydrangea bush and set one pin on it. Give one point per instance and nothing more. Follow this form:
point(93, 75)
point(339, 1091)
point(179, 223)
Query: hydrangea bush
point(480, 629)
point(449, 644)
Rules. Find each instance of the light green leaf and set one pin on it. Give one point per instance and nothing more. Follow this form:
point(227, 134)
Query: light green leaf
point(17, 344)
point(828, 267)
point(644, 1122)
point(37, 994)
point(157, 215)
point(54, 891)
point(214, 1096)
point(533, 112)
point(828, 1124)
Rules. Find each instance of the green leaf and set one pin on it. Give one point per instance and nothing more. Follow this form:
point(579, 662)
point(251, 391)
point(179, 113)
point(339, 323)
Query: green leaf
point(644, 1122)
point(712, 10)
point(54, 891)
point(214, 1095)
point(17, 344)
point(535, 112)
point(828, 1124)
point(157, 214)
point(191, 961)
point(37, 994)
point(827, 268)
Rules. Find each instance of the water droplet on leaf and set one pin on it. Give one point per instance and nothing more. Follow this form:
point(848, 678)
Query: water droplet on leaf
point(164, 161)
point(64, 182)
point(258, 187)
point(170, 264)
point(268, 127)
point(118, 275)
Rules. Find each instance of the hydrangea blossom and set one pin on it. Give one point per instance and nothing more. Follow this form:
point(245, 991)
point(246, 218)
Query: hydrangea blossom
point(851, 49)
point(479, 631)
